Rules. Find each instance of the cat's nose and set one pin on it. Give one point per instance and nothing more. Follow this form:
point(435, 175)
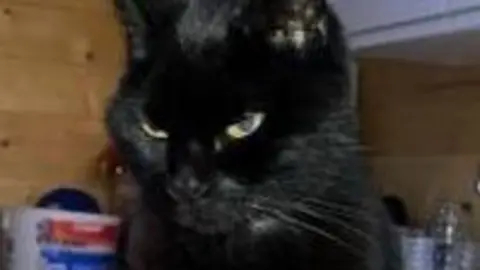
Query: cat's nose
point(193, 176)
point(185, 185)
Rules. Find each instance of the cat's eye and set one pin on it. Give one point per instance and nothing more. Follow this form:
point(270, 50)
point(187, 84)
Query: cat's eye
point(154, 132)
point(249, 124)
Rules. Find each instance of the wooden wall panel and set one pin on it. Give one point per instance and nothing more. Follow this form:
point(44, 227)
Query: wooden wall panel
point(71, 36)
point(59, 62)
point(422, 124)
point(102, 6)
point(42, 87)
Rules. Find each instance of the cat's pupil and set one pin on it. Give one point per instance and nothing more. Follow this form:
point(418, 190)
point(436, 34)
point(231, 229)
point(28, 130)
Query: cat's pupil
point(247, 124)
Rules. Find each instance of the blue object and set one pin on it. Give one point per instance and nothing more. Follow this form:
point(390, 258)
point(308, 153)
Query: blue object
point(69, 199)
point(77, 259)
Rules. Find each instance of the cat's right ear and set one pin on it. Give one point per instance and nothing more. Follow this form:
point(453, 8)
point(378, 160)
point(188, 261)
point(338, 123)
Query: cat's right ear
point(133, 16)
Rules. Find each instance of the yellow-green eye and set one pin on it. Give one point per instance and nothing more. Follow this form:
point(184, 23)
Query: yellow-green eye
point(153, 132)
point(250, 124)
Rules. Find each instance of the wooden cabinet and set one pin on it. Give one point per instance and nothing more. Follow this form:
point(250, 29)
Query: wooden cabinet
point(420, 122)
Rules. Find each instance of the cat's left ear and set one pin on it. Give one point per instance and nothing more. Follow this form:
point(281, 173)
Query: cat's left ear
point(322, 25)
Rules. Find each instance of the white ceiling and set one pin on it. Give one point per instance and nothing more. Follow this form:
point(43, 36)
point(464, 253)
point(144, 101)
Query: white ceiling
point(453, 49)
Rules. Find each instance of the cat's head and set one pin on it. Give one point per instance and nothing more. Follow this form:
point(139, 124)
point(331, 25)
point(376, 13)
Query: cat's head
point(240, 141)
point(220, 121)
point(236, 134)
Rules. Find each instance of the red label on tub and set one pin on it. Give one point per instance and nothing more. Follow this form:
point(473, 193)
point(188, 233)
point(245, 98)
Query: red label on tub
point(77, 233)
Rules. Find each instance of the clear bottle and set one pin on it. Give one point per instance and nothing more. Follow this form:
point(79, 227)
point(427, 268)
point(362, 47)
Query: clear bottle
point(448, 229)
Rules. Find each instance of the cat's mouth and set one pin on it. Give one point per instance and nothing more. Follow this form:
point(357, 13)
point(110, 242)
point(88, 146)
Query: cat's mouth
point(224, 216)
point(209, 217)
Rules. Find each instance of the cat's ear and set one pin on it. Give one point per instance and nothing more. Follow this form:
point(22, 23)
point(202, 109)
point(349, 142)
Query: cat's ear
point(132, 14)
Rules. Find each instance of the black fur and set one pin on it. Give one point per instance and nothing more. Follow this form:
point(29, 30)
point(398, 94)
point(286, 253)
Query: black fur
point(293, 195)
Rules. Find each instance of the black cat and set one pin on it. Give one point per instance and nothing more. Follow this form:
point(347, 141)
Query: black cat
point(233, 117)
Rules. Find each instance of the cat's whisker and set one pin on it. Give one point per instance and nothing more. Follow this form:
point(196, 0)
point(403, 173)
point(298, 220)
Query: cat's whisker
point(310, 228)
point(303, 209)
point(339, 208)
point(364, 217)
